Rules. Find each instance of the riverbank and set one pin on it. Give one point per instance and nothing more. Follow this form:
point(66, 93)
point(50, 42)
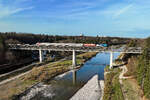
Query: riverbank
point(4, 78)
point(128, 80)
point(112, 86)
point(39, 74)
point(123, 83)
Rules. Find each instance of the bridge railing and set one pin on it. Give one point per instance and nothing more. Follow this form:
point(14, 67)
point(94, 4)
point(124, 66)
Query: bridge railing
point(69, 48)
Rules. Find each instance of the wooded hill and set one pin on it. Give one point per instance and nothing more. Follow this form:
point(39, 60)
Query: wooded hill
point(12, 37)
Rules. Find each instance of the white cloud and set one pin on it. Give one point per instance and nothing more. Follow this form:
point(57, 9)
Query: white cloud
point(122, 10)
point(10, 9)
point(116, 10)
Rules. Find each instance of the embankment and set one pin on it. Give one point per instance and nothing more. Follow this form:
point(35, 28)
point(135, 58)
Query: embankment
point(112, 86)
point(92, 90)
point(120, 82)
point(39, 74)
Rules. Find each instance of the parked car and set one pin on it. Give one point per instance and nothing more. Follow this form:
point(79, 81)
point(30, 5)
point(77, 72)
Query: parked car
point(102, 45)
point(89, 45)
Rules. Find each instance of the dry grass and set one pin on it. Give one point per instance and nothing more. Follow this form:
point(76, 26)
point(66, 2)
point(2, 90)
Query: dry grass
point(13, 88)
point(131, 90)
point(131, 66)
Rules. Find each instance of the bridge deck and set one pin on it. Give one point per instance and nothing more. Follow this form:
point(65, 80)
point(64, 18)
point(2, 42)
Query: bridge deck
point(83, 49)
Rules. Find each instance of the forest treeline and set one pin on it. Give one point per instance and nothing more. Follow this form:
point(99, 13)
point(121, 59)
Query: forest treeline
point(13, 37)
point(7, 56)
point(3, 49)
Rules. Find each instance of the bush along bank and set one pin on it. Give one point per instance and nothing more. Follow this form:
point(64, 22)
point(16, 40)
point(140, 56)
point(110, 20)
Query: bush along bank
point(40, 74)
point(112, 86)
point(143, 69)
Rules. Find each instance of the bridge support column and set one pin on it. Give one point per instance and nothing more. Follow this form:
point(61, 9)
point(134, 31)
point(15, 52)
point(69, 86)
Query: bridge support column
point(40, 56)
point(49, 51)
point(111, 59)
point(74, 59)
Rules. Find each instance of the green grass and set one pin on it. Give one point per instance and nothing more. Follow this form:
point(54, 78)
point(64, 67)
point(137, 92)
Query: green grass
point(107, 69)
point(117, 92)
point(112, 90)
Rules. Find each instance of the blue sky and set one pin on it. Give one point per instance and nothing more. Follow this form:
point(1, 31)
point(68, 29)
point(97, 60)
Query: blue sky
point(126, 18)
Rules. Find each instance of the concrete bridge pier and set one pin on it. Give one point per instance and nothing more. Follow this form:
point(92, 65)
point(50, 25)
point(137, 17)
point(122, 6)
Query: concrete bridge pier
point(49, 51)
point(74, 59)
point(111, 60)
point(40, 55)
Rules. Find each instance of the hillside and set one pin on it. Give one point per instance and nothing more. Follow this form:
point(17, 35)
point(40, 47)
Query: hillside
point(130, 81)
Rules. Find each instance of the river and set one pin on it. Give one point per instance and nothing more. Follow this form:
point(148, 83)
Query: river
point(66, 85)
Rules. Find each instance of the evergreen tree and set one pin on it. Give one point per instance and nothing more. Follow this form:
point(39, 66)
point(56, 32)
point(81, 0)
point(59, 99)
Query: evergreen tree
point(143, 69)
point(147, 82)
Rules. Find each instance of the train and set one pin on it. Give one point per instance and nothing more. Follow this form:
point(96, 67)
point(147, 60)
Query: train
point(72, 44)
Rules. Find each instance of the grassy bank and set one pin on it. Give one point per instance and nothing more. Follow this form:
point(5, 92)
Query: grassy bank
point(130, 86)
point(112, 89)
point(25, 68)
point(38, 74)
point(123, 89)
point(132, 90)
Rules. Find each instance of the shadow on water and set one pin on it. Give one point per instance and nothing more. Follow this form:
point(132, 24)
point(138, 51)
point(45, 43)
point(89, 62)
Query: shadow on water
point(66, 85)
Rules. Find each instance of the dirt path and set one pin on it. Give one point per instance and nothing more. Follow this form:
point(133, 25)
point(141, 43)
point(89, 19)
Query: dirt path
point(121, 76)
point(130, 88)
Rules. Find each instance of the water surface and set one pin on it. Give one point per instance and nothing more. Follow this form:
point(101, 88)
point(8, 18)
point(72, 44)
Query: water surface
point(66, 85)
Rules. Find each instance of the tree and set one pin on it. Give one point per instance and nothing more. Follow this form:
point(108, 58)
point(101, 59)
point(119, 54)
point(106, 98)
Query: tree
point(146, 82)
point(132, 43)
point(143, 69)
point(2, 50)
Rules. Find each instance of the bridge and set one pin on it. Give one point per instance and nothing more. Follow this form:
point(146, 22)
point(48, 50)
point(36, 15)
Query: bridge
point(74, 49)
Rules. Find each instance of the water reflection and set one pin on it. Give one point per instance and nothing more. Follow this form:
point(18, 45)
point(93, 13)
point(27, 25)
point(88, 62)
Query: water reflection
point(74, 76)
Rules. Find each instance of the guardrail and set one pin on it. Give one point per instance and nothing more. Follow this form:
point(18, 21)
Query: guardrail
point(83, 49)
